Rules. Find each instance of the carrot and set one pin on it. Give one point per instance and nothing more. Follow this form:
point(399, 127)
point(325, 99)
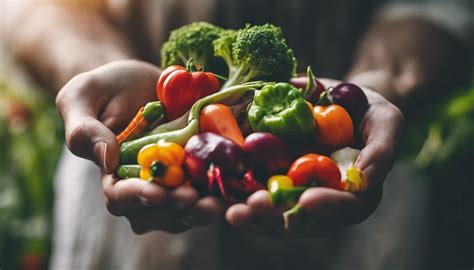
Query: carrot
point(135, 128)
point(218, 118)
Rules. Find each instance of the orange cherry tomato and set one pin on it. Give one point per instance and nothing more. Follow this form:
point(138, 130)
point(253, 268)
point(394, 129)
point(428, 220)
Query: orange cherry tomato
point(334, 128)
point(315, 170)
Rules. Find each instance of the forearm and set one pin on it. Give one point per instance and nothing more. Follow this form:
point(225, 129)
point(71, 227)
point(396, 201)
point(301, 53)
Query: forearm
point(409, 58)
point(55, 42)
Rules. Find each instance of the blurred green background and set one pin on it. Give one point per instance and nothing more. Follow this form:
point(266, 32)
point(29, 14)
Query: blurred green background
point(31, 139)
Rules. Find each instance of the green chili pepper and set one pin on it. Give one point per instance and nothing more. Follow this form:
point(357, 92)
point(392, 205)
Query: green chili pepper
point(282, 191)
point(281, 109)
point(153, 111)
point(128, 171)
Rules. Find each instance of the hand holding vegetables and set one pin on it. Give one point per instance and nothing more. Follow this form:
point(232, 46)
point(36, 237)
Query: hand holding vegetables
point(329, 208)
point(225, 170)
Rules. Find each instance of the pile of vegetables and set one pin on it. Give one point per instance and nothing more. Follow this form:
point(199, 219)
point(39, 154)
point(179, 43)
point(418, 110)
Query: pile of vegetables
point(228, 121)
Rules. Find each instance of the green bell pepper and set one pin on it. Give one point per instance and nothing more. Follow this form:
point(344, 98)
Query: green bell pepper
point(281, 109)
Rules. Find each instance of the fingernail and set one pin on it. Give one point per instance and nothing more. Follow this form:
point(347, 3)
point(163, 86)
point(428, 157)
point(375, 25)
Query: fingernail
point(100, 149)
point(104, 157)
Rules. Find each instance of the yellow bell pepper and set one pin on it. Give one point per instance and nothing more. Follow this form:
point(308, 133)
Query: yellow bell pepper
point(161, 163)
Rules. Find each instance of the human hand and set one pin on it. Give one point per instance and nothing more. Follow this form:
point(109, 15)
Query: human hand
point(324, 208)
point(148, 206)
point(96, 104)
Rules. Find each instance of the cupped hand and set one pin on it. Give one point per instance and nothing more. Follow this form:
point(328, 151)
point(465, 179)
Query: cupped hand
point(323, 208)
point(150, 207)
point(96, 105)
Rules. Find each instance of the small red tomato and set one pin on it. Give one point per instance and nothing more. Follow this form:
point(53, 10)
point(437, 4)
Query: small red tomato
point(315, 170)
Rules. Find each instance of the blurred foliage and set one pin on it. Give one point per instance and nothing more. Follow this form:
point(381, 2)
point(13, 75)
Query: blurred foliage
point(439, 135)
point(31, 138)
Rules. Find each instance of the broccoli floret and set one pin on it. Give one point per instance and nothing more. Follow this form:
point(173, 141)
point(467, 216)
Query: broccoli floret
point(194, 40)
point(256, 52)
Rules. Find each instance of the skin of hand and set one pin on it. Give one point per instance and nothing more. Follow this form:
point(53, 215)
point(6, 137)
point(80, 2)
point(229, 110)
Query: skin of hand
point(97, 103)
point(326, 208)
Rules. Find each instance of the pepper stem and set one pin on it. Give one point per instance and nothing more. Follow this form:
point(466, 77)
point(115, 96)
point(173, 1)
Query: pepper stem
point(324, 99)
point(293, 218)
point(307, 92)
point(191, 66)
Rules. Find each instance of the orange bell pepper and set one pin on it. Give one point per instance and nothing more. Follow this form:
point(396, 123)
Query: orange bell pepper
point(334, 128)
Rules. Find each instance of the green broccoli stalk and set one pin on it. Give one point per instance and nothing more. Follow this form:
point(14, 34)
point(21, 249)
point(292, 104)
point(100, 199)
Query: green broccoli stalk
point(194, 41)
point(255, 53)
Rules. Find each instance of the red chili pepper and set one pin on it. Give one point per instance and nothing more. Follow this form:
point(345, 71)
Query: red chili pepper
point(315, 170)
point(179, 88)
point(334, 128)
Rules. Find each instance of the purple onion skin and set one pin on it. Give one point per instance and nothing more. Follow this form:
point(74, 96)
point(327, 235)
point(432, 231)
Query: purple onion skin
point(351, 98)
point(206, 148)
point(267, 152)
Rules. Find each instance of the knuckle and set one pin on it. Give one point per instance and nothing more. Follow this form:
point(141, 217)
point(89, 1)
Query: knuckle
point(395, 114)
point(87, 80)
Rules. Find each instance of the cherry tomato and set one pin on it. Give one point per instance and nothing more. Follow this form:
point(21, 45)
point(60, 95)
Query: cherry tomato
point(315, 170)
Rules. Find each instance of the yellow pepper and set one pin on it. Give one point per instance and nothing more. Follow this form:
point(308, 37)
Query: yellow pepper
point(356, 180)
point(161, 163)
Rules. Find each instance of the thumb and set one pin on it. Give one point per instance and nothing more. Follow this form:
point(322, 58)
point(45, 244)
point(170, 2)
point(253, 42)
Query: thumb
point(89, 138)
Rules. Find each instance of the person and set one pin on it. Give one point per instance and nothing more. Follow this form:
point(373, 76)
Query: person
point(84, 48)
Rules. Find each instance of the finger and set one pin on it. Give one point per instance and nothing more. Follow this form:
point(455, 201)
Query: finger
point(86, 136)
point(260, 204)
point(123, 196)
point(381, 128)
point(182, 198)
point(239, 215)
point(337, 208)
point(207, 211)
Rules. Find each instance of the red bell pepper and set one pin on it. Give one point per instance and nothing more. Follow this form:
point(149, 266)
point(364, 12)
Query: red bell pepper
point(179, 88)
